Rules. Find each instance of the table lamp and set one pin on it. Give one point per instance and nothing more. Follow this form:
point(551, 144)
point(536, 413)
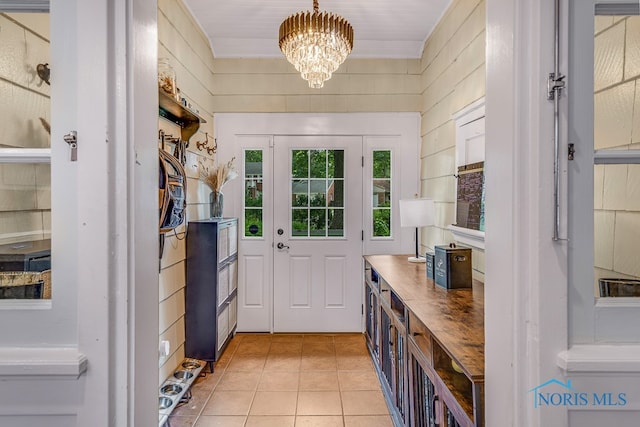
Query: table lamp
point(417, 213)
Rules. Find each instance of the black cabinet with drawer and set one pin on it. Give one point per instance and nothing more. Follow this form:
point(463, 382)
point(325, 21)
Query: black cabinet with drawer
point(211, 290)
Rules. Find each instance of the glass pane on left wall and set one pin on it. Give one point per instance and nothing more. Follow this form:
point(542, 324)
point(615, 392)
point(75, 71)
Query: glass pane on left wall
point(25, 187)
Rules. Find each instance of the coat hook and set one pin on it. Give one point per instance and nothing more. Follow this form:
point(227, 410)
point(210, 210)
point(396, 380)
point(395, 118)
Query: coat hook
point(44, 72)
point(205, 144)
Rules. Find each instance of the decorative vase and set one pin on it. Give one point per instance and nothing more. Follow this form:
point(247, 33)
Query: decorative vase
point(216, 204)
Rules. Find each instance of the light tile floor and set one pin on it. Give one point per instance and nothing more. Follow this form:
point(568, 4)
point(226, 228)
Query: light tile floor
point(286, 380)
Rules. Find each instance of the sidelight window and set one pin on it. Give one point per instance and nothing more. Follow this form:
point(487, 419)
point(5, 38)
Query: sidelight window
point(381, 197)
point(253, 191)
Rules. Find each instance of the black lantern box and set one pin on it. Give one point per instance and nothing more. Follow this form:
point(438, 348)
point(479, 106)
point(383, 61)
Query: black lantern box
point(452, 266)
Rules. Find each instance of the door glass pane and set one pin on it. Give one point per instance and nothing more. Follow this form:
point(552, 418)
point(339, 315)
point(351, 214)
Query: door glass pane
point(300, 222)
point(335, 193)
point(382, 164)
point(318, 222)
point(335, 164)
point(316, 186)
point(381, 222)
point(253, 193)
point(300, 163)
point(300, 193)
point(318, 163)
point(381, 197)
point(336, 222)
point(617, 229)
point(25, 187)
point(318, 193)
point(617, 127)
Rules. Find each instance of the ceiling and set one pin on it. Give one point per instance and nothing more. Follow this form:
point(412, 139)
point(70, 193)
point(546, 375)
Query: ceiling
point(382, 28)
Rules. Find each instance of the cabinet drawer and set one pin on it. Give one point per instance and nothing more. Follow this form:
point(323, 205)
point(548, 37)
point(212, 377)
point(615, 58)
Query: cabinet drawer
point(233, 239)
point(421, 336)
point(385, 292)
point(233, 313)
point(223, 244)
point(223, 326)
point(233, 276)
point(223, 284)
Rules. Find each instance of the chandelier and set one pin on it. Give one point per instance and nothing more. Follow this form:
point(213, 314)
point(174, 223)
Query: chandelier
point(316, 43)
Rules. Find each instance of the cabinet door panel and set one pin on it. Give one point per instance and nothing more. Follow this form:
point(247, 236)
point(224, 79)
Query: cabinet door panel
point(223, 285)
point(371, 308)
point(385, 347)
point(233, 276)
point(233, 239)
point(423, 391)
point(233, 313)
point(223, 244)
point(223, 326)
point(400, 374)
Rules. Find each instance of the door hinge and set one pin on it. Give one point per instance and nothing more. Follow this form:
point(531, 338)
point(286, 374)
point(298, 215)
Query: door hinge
point(572, 151)
point(362, 309)
point(362, 161)
point(362, 235)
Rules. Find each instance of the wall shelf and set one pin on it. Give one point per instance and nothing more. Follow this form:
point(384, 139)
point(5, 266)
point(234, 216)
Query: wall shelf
point(467, 236)
point(188, 120)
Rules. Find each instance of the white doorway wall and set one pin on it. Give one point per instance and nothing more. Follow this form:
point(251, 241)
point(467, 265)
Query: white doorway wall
point(237, 132)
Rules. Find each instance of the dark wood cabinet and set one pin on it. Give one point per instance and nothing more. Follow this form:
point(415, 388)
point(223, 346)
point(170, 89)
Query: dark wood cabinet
point(386, 335)
point(211, 290)
point(423, 391)
point(427, 344)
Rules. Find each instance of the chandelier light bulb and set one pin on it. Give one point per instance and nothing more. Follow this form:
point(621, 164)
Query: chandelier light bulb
point(316, 43)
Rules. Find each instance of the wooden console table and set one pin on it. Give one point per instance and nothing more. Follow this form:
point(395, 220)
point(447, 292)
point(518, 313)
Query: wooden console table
point(426, 342)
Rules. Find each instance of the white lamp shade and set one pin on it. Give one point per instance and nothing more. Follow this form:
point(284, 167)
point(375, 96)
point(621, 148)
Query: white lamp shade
point(417, 212)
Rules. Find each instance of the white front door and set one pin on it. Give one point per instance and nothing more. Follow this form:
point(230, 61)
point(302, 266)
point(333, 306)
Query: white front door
point(317, 233)
point(316, 284)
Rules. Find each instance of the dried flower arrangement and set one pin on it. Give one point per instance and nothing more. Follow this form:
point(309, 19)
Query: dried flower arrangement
point(217, 176)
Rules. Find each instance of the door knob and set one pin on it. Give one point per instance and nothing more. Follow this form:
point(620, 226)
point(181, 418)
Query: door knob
point(281, 245)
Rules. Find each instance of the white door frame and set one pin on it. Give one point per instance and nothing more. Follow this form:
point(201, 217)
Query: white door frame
point(403, 127)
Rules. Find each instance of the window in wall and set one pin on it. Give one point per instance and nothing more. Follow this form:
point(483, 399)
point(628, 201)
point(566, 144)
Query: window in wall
point(317, 193)
point(381, 197)
point(25, 156)
point(470, 196)
point(616, 144)
point(470, 142)
point(253, 205)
